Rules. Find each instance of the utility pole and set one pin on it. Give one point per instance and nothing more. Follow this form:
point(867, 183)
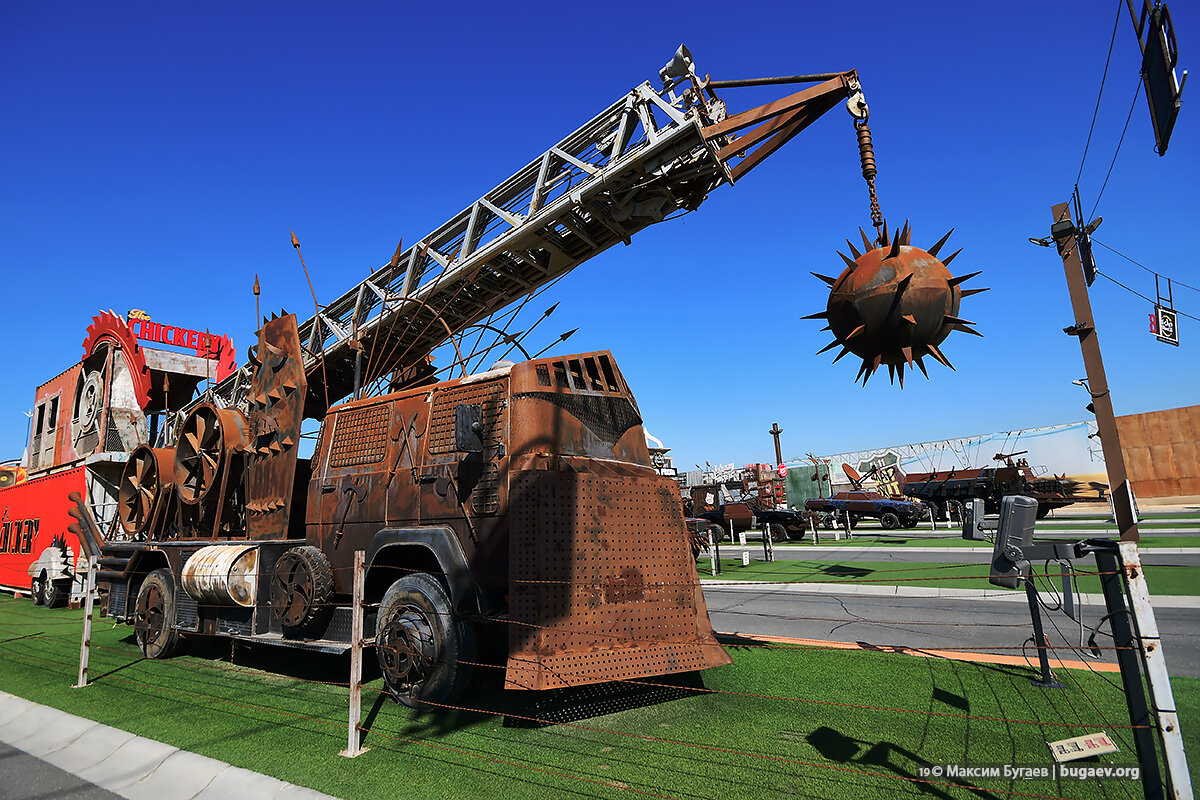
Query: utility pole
point(775, 431)
point(1069, 241)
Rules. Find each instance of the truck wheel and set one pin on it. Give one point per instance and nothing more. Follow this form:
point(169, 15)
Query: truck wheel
point(717, 531)
point(54, 593)
point(423, 646)
point(154, 617)
point(777, 531)
point(829, 523)
point(36, 589)
point(889, 521)
point(302, 591)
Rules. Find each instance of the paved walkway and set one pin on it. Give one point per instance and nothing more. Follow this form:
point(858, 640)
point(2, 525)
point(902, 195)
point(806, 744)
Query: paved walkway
point(999, 595)
point(122, 763)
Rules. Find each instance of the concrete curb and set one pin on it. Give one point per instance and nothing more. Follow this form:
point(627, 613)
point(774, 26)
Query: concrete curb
point(129, 765)
point(1000, 595)
point(883, 549)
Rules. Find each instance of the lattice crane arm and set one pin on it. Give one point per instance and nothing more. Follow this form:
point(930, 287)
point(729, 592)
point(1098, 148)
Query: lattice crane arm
point(649, 154)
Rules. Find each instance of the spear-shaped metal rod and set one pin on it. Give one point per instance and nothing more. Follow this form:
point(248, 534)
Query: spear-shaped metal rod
point(316, 316)
point(540, 319)
point(562, 338)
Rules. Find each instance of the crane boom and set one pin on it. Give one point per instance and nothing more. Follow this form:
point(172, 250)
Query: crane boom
point(651, 153)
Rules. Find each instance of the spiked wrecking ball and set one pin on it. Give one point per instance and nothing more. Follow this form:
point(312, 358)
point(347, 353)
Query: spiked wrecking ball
point(894, 303)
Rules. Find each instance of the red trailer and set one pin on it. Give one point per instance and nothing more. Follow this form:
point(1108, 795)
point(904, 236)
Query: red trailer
point(85, 421)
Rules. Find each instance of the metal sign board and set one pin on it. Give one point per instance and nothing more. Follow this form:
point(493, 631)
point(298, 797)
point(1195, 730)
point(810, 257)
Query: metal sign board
point(1164, 325)
point(1093, 744)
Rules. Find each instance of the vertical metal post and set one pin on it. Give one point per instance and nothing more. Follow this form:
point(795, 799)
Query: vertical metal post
point(716, 548)
point(354, 746)
point(85, 644)
point(1162, 699)
point(1046, 678)
point(712, 552)
point(1109, 566)
point(1066, 238)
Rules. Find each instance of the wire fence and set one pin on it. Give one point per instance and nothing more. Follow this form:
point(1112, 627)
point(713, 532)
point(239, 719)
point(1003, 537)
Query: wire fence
point(994, 705)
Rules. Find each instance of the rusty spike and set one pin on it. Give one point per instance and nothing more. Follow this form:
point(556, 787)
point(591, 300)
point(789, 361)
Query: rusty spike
point(900, 374)
point(852, 249)
point(895, 251)
point(866, 242)
point(965, 329)
point(950, 257)
point(969, 292)
point(826, 328)
point(891, 373)
point(849, 261)
point(907, 354)
point(818, 315)
point(828, 347)
point(845, 350)
point(906, 235)
point(962, 278)
point(921, 365)
point(909, 318)
point(956, 320)
point(861, 370)
point(883, 236)
point(856, 332)
point(826, 278)
point(902, 284)
point(875, 366)
point(933, 351)
point(933, 251)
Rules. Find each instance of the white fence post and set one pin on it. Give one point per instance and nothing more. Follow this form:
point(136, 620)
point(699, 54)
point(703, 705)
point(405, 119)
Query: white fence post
point(354, 746)
point(1162, 699)
point(85, 644)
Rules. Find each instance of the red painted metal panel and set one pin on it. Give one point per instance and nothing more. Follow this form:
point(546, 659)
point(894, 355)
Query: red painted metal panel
point(34, 520)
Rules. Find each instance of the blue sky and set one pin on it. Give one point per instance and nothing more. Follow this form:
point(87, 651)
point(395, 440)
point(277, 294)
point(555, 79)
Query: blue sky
point(156, 156)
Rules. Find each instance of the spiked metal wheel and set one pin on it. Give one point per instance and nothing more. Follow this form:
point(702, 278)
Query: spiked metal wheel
point(147, 472)
point(894, 304)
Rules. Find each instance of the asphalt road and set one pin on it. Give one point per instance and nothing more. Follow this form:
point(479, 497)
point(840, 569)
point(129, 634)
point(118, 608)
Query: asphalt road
point(27, 777)
point(998, 626)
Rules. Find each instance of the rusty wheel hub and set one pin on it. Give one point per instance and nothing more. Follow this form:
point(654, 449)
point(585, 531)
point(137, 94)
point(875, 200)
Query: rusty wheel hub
point(150, 619)
point(407, 647)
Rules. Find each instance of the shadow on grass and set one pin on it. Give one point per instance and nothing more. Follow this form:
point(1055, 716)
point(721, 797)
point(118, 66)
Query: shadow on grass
point(899, 761)
point(845, 571)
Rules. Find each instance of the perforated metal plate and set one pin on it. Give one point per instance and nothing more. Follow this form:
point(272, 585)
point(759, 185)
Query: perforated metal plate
point(489, 396)
point(603, 586)
point(360, 437)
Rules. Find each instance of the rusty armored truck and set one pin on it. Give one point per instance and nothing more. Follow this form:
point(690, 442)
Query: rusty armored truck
point(521, 498)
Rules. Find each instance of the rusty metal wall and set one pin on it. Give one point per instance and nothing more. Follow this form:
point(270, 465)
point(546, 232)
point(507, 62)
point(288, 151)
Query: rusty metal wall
point(603, 583)
point(1162, 454)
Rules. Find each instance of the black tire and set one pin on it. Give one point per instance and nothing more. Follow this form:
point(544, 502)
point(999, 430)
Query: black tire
point(154, 616)
point(777, 532)
point(717, 531)
point(302, 591)
point(54, 593)
point(829, 523)
point(796, 534)
point(424, 648)
point(889, 521)
point(909, 522)
point(36, 588)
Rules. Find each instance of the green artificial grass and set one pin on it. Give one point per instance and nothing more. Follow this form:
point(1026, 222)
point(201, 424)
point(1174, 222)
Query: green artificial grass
point(1162, 580)
point(780, 722)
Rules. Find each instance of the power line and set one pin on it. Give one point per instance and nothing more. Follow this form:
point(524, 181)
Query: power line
point(1143, 266)
point(1139, 294)
point(1120, 141)
point(1099, 94)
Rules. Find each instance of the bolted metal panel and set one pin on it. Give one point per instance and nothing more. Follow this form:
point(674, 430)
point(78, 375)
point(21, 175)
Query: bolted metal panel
point(603, 586)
